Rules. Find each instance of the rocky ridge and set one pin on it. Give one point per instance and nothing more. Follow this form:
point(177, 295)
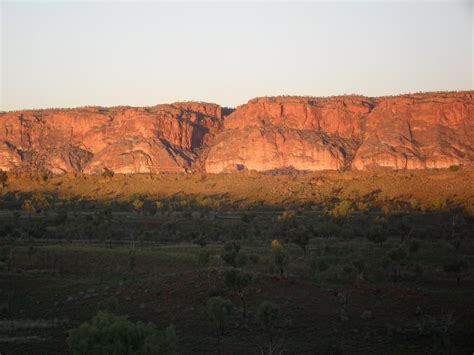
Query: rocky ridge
point(416, 131)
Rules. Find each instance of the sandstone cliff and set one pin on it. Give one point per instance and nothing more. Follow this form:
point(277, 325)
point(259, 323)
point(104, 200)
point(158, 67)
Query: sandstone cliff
point(432, 130)
point(123, 139)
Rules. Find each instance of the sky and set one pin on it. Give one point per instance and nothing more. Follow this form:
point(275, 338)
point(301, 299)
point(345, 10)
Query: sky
point(70, 54)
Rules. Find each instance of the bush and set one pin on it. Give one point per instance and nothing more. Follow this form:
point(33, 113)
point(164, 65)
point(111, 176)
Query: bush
point(109, 304)
point(254, 258)
point(455, 266)
point(287, 217)
point(107, 173)
point(219, 311)
point(276, 244)
point(203, 257)
point(342, 209)
point(323, 265)
point(230, 252)
point(107, 333)
point(414, 246)
point(3, 178)
point(268, 315)
point(281, 259)
point(238, 281)
point(301, 238)
point(376, 234)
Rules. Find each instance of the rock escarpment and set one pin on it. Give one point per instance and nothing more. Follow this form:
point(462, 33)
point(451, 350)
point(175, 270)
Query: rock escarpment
point(432, 130)
point(418, 131)
point(123, 139)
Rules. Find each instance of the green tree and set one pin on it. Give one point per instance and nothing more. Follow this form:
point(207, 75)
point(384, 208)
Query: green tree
point(219, 311)
point(281, 259)
point(269, 317)
point(203, 256)
point(108, 334)
point(397, 255)
point(301, 238)
point(230, 252)
point(455, 266)
point(238, 282)
point(376, 234)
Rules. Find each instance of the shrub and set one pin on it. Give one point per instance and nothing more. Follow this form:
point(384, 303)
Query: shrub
point(281, 259)
point(313, 264)
point(219, 311)
point(323, 265)
point(414, 205)
point(241, 260)
point(238, 282)
point(107, 333)
point(342, 209)
point(362, 206)
point(287, 217)
point(268, 315)
point(137, 205)
point(414, 246)
point(254, 258)
point(108, 173)
point(276, 244)
point(455, 266)
point(3, 178)
point(397, 255)
point(376, 234)
point(230, 252)
point(109, 304)
point(359, 265)
point(301, 238)
point(203, 257)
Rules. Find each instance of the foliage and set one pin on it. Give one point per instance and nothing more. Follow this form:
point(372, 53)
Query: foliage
point(376, 234)
point(276, 244)
point(301, 238)
point(287, 217)
point(3, 178)
point(108, 173)
point(238, 282)
point(219, 311)
point(342, 209)
point(455, 266)
point(268, 315)
point(138, 205)
point(281, 259)
point(230, 251)
point(203, 257)
point(107, 333)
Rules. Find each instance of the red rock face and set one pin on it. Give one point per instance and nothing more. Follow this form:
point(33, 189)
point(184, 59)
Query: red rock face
point(419, 131)
point(433, 130)
point(126, 140)
point(304, 133)
point(407, 132)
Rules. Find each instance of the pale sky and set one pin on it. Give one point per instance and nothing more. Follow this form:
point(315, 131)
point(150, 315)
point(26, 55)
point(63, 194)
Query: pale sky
point(63, 54)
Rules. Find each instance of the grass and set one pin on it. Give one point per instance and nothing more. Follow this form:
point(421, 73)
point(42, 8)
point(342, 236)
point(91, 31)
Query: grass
point(147, 266)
